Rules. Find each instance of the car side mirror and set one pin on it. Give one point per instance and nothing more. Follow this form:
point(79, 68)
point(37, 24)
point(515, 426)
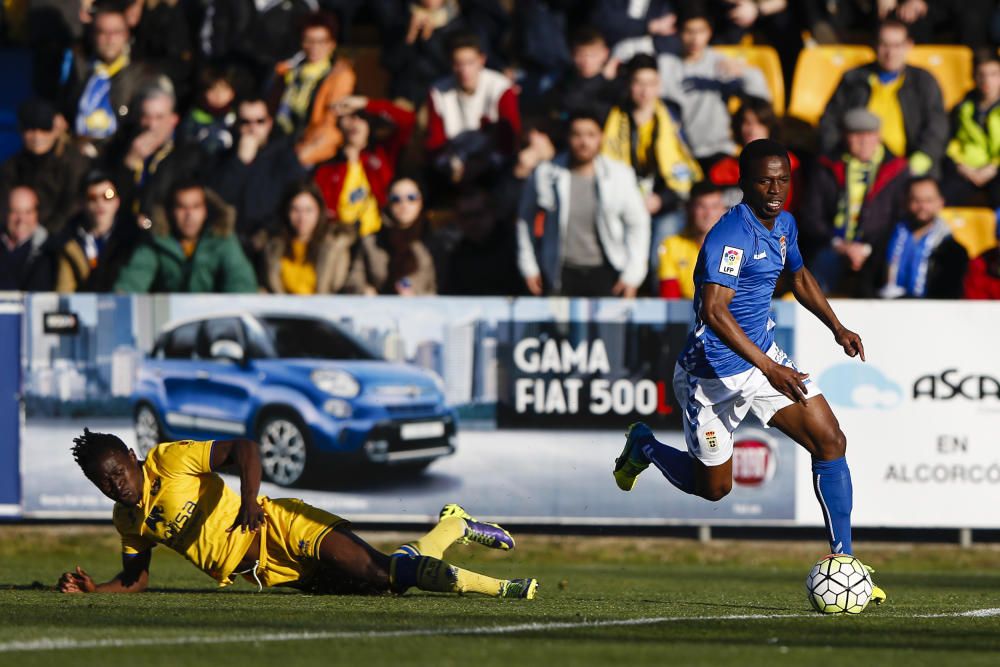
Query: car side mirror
point(227, 349)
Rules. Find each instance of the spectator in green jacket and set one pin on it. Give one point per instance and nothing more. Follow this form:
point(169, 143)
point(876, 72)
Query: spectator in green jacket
point(191, 248)
point(974, 150)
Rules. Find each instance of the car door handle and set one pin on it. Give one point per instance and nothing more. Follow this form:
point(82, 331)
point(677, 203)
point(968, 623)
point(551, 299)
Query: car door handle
point(201, 375)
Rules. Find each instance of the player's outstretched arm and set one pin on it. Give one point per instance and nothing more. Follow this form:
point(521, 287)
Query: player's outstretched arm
point(807, 292)
point(133, 578)
point(245, 456)
point(715, 300)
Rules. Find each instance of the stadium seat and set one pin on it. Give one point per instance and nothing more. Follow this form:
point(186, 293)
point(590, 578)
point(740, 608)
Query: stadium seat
point(951, 65)
point(817, 74)
point(975, 228)
point(764, 58)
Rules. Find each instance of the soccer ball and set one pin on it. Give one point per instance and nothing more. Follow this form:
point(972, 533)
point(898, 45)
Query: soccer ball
point(839, 584)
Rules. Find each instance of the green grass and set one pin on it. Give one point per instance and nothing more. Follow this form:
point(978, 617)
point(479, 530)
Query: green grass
point(691, 587)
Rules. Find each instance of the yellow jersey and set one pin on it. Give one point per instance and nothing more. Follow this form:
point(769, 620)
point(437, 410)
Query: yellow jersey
point(186, 507)
point(678, 255)
point(357, 203)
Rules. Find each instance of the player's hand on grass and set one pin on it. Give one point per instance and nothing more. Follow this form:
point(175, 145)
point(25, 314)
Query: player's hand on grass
point(851, 342)
point(249, 518)
point(77, 581)
point(788, 381)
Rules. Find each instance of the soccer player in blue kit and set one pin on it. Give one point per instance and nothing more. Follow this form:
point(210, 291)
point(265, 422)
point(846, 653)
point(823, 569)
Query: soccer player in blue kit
point(731, 364)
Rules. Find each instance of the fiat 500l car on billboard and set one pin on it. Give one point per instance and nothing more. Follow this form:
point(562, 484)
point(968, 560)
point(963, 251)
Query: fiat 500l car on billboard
point(318, 400)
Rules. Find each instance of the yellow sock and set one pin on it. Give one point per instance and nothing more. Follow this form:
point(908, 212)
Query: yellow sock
point(434, 543)
point(434, 574)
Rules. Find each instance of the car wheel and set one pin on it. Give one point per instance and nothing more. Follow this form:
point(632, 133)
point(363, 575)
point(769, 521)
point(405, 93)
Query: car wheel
point(147, 430)
point(283, 449)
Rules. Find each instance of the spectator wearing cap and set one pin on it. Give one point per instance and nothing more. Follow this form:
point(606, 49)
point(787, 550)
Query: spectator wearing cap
point(48, 163)
point(254, 174)
point(850, 207)
point(101, 91)
point(971, 169)
point(701, 81)
point(473, 121)
point(355, 184)
point(146, 162)
point(26, 261)
point(583, 228)
point(191, 248)
point(907, 99)
point(923, 260)
point(99, 241)
point(305, 88)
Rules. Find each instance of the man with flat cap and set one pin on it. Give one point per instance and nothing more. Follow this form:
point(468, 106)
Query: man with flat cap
point(849, 211)
point(48, 163)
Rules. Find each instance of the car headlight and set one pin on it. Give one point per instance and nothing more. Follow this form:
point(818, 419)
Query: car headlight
point(336, 383)
point(338, 408)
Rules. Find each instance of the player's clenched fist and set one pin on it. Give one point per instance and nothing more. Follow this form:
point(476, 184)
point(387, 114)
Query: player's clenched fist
point(76, 582)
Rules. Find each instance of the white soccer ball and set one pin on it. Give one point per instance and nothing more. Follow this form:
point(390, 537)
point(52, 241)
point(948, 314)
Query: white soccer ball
point(839, 584)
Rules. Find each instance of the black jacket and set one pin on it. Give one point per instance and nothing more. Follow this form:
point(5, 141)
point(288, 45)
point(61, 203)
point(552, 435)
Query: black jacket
point(56, 178)
point(924, 118)
point(30, 267)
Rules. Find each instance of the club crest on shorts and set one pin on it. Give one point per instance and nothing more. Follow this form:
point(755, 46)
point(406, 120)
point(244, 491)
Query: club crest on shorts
point(731, 259)
point(711, 440)
point(784, 249)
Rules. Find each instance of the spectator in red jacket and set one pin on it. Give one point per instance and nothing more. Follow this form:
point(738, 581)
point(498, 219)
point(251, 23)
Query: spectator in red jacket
point(355, 183)
point(473, 120)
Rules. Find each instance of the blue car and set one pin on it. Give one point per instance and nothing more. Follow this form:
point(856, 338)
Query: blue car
point(317, 399)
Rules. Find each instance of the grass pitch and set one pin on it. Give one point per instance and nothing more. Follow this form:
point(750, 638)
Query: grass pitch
point(603, 601)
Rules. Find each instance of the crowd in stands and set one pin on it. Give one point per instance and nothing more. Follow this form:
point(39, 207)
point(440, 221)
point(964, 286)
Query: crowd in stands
point(498, 147)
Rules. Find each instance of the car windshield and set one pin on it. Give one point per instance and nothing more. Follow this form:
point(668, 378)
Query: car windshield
point(307, 338)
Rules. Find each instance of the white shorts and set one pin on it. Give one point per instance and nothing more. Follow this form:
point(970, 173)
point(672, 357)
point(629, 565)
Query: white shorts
point(713, 408)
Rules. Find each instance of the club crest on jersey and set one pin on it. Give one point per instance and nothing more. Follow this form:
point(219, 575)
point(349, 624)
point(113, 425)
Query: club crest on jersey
point(731, 259)
point(784, 249)
point(711, 440)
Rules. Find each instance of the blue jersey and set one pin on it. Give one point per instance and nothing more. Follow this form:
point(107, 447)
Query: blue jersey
point(740, 253)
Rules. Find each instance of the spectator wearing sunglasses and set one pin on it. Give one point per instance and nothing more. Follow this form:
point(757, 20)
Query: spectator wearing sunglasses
point(99, 243)
point(355, 183)
point(254, 175)
point(399, 261)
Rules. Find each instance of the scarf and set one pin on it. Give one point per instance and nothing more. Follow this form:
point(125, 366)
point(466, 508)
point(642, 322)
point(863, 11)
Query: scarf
point(909, 259)
point(858, 179)
point(95, 114)
point(300, 83)
point(673, 161)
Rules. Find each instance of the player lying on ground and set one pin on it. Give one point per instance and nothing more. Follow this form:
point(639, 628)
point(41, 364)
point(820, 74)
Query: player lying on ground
point(731, 364)
point(176, 498)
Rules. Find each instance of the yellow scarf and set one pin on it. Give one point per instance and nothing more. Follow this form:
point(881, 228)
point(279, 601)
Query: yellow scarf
point(300, 83)
point(676, 166)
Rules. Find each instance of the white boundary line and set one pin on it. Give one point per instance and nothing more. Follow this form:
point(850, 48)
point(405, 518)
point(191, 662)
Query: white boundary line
point(128, 642)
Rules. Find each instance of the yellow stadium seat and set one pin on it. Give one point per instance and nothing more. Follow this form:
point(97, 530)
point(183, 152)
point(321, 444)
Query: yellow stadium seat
point(975, 228)
point(951, 65)
point(764, 58)
point(817, 74)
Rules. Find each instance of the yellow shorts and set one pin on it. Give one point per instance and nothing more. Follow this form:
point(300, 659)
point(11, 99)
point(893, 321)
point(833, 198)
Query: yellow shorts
point(290, 539)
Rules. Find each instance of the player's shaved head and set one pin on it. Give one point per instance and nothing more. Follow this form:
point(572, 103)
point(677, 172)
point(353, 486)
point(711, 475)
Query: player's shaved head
point(90, 448)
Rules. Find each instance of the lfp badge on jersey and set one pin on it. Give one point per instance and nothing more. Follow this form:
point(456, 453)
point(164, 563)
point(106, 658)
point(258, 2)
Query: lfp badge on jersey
point(731, 258)
point(784, 248)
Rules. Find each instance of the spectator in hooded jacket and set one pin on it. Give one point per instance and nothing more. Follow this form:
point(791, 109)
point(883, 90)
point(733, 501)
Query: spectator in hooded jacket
point(355, 183)
point(191, 248)
point(850, 207)
point(923, 260)
point(906, 99)
point(26, 261)
point(100, 240)
point(970, 171)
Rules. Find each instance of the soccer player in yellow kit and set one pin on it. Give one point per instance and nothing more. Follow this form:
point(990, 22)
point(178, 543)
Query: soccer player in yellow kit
point(175, 498)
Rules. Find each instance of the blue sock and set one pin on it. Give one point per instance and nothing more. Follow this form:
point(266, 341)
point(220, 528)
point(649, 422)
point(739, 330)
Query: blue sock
point(832, 483)
point(676, 465)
